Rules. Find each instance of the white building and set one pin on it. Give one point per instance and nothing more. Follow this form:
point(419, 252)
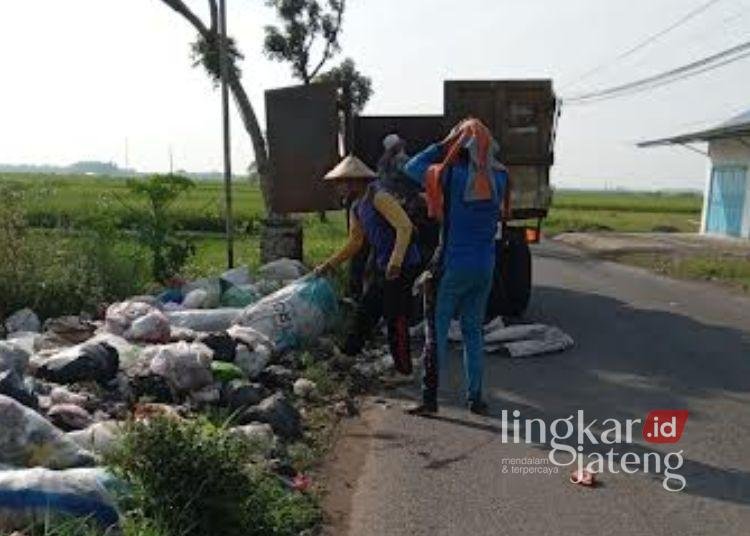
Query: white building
point(726, 200)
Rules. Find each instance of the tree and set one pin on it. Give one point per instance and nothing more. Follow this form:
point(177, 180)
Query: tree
point(156, 229)
point(206, 53)
point(305, 22)
point(355, 89)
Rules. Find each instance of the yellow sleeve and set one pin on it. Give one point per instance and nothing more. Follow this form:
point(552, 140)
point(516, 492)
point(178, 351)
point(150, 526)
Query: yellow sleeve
point(352, 246)
point(391, 210)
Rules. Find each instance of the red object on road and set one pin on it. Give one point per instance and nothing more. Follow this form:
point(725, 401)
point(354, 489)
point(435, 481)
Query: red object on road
point(583, 478)
point(301, 482)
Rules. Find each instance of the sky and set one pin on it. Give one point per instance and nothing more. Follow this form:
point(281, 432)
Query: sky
point(84, 79)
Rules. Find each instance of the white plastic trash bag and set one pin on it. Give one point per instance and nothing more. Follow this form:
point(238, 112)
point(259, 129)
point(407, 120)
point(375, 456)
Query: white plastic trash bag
point(100, 438)
point(28, 440)
point(185, 366)
point(254, 350)
point(299, 312)
point(283, 270)
point(137, 321)
point(204, 319)
point(13, 357)
point(211, 287)
point(195, 299)
point(237, 276)
point(23, 320)
point(30, 496)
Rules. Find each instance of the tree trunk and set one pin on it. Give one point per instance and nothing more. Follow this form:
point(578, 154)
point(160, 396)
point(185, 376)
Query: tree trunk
point(250, 121)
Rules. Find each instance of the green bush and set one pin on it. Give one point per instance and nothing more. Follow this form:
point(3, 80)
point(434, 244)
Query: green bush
point(157, 228)
point(85, 527)
point(68, 272)
point(195, 479)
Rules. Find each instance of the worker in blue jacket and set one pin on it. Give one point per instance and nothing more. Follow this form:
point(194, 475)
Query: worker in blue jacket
point(465, 187)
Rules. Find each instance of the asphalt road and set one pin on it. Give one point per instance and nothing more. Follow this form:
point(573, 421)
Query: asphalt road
point(643, 342)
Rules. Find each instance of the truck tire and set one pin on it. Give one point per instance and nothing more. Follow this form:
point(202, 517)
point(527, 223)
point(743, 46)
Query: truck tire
point(511, 289)
point(517, 277)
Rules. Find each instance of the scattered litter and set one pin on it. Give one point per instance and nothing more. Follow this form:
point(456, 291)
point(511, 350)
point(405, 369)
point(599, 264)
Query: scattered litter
point(283, 270)
point(90, 361)
point(238, 295)
point(583, 477)
point(240, 394)
point(68, 330)
point(23, 320)
point(204, 319)
point(28, 440)
point(304, 388)
point(225, 372)
point(100, 438)
point(279, 413)
point(151, 410)
point(297, 313)
point(223, 345)
point(529, 340)
point(137, 321)
point(523, 340)
point(13, 385)
point(30, 496)
point(29, 341)
point(208, 395)
point(301, 482)
point(69, 417)
point(252, 362)
point(13, 356)
point(210, 286)
point(195, 299)
point(182, 334)
point(61, 395)
point(237, 276)
point(257, 433)
point(185, 366)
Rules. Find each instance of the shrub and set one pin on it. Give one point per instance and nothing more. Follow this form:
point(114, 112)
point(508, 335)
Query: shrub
point(63, 272)
point(157, 228)
point(195, 479)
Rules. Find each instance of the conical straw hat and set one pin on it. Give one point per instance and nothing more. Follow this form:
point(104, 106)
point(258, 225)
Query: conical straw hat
point(350, 167)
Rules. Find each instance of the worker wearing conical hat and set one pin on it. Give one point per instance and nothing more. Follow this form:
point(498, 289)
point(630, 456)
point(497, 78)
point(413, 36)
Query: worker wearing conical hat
point(377, 218)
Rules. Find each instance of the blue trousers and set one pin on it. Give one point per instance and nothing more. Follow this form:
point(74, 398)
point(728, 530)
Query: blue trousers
point(462, 294)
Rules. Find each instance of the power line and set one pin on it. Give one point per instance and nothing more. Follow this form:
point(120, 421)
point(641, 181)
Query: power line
point(691, 69)
point(643, 44)
point(655, 85)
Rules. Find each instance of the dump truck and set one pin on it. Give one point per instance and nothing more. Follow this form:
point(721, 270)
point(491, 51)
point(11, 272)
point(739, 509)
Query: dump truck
point(522, 115)
point(305, 138)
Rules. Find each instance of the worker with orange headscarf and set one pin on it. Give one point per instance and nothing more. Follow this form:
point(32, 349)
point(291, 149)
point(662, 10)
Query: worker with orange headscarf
point(465, 187)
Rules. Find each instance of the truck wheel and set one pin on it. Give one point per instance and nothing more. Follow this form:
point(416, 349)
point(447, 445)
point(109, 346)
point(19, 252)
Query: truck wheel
point(511, 289)
point(517, 277)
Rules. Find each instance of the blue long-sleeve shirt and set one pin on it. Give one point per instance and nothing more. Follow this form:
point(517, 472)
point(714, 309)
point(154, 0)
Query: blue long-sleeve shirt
point(470, 227)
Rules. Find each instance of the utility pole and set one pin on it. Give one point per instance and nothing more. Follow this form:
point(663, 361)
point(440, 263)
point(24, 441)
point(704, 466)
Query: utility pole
point(224, 60)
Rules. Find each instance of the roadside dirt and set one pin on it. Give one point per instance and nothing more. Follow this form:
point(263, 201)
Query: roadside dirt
point(343, 467)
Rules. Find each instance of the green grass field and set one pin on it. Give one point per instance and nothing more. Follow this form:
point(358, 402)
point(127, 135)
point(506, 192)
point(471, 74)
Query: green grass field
point(52, 201)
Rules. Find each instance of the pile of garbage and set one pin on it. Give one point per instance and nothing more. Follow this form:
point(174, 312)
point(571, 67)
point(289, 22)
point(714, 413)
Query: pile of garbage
point(68, 385)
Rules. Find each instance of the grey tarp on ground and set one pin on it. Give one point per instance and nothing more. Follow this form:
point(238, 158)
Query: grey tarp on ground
point(522, 340)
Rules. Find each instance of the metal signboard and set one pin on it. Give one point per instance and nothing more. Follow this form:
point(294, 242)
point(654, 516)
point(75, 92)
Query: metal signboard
point(303, 144)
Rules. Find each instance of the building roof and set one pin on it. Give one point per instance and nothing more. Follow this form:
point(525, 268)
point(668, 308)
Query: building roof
point(736, 127)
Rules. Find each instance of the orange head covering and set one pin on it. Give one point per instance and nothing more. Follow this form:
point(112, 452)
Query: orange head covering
point(470, 134)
